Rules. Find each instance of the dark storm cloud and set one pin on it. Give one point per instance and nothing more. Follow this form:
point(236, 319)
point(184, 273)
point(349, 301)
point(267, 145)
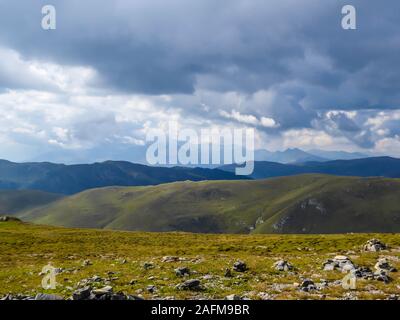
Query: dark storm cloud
point(159, 47)
point(339, 124)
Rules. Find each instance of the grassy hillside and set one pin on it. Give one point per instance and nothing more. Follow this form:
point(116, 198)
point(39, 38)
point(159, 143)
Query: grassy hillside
point(13, 201)
point(298, 204)
point(119, 257)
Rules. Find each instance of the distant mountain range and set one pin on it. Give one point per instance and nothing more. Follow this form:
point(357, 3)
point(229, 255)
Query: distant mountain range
point(298, 156)
point(287, 156)
point(301, 204)
point(367, 167)
point(136, 154)
point(339, 155)
point(69, 179)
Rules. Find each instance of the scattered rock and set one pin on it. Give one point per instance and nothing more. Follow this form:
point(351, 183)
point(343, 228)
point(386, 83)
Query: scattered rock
point(350, 296)
point(265, 296)
point(382, 275)
point(170, 259)
point(192, 284)
point(233, 297)
point(382, 271)
point(182, 271)
point(337, 283)
point(131, 297)
point(148, 266)
point(308, 285)
point(86, 263)
point(383, 264)
point(96, 279)
point(322, 284)
point(374, 245)
point(104, 290)
point(282, 265)
point(151, 288)
point(240, 266)
point(105, 293)
point(118, 296)
point(363, 272)
point(81, 294)
point(45, 296)
point(341, 263)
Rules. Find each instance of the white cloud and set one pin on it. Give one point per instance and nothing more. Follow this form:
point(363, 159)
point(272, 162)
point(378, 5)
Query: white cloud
point(242, 118)
point(307, 138)
point(249, 119)
point(268, 122)
point(389, 146)
point(19, 73)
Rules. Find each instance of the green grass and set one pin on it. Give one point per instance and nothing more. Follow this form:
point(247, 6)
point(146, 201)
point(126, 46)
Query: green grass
point(298, 204)
point(25, 248)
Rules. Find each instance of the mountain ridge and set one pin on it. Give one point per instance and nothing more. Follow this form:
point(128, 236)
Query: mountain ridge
point(366, 167)
point(70, 179)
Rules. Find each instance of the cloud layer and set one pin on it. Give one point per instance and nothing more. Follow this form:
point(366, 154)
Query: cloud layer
point(110, 72)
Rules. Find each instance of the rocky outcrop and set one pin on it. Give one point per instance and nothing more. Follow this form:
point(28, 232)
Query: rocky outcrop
point(282, 265)
point(170, 259)
point(45, 296)
point(384, 265)
point(341, 263)
point(240, 266)
point(192, 284)
point(8, 218)
point(182, 271)
point(233, 297)
point(374, 245)
point(307, 285)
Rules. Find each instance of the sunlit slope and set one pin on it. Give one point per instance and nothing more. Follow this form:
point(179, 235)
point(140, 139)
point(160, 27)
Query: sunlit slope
point(298, 204)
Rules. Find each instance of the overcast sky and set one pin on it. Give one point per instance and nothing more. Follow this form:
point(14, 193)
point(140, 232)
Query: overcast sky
point(113, 69)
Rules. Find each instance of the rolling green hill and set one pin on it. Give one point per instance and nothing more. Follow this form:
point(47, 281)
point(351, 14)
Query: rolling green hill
point(298, 204)
point(13, 201)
